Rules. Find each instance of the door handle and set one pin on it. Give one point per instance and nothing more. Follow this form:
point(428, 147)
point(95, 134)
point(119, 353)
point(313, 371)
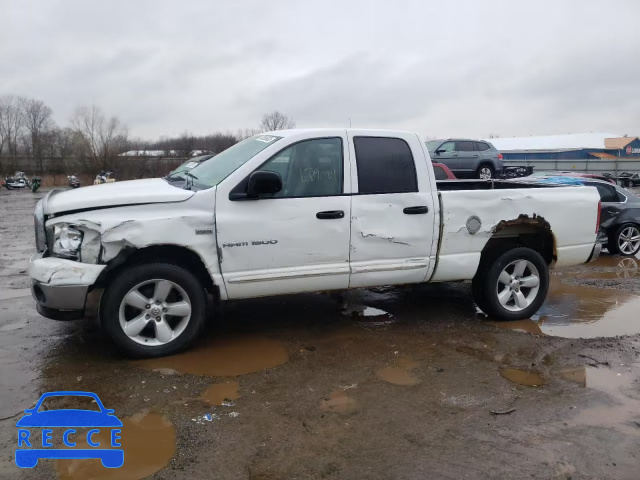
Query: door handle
point(419, 210)
point(476, 155)
point(329, 214)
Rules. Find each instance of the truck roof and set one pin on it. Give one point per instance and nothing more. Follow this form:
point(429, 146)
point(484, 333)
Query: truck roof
point(300, 131)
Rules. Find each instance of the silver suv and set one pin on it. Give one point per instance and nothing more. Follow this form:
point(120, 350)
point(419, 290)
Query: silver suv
point(474, 158)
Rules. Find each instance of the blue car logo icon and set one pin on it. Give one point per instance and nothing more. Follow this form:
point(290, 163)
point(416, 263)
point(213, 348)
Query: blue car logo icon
point(28, 452)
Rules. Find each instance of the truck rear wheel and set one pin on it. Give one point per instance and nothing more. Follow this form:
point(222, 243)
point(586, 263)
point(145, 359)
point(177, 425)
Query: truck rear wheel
point(512, 286)
point(155, 309)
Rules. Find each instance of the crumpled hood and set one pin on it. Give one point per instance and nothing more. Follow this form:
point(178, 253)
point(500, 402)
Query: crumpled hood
point(131, 192)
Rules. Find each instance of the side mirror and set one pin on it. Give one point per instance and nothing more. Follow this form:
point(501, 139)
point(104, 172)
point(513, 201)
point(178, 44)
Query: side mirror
point(438, 152)
point(262, 182)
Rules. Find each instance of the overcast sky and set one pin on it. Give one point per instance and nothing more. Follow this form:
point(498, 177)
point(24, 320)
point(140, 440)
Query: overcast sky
point(441, 68)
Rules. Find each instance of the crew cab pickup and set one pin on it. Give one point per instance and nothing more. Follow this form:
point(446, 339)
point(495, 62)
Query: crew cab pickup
point(298, 211)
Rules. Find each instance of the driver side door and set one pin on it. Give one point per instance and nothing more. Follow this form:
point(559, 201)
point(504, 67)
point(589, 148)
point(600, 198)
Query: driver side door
point(295, 240)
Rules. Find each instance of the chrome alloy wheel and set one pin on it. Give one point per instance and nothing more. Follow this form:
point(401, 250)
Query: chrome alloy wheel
point(629, 240)
point(154, 312)
point(485, 173)
point(518, 285)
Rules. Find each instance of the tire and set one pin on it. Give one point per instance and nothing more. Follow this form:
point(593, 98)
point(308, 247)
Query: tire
point(485, 172)
point(156, 332)
point(626, 240)
point(521, 301)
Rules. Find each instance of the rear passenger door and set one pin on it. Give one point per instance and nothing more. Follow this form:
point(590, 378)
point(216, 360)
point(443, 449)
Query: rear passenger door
point(467, 156)
point(393, 214)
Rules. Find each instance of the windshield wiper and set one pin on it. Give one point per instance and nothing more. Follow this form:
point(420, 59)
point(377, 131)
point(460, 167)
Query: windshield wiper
point(174, 176)
point(189, 182)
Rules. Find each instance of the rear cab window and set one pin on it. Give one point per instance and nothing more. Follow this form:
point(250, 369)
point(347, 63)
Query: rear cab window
point(385, 165)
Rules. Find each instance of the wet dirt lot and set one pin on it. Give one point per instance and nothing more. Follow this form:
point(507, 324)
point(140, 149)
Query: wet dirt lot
point(403, 383)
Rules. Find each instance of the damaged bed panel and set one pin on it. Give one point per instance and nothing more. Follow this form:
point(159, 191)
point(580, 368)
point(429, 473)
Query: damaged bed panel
point(544, 208)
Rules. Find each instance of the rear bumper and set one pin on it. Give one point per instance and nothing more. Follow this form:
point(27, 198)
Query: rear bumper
point(60, 286)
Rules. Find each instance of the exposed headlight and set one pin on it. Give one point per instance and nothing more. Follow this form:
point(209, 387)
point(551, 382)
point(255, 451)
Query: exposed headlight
point(67, 241)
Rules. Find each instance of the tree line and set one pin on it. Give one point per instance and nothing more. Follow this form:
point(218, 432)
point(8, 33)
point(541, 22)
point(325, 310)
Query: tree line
point(93, 140)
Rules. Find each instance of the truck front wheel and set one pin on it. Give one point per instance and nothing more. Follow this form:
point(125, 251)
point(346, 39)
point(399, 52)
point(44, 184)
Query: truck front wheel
point(513, 286)
point(154, 309)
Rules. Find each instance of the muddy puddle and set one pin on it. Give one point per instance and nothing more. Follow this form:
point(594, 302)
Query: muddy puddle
point(219, 393)
point(339, 401)
point(225, 357)
point(523, 377)
point(575, 311)
point(149, 444)
point(367, 316)
point(620, 407)
point(401, 373)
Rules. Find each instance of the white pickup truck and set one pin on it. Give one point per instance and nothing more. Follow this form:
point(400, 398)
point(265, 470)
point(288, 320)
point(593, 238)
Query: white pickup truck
point(298, 211)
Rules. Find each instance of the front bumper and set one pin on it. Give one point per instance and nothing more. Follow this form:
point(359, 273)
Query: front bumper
point(60, 286)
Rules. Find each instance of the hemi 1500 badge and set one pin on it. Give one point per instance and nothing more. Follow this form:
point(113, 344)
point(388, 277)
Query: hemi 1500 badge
point(253, 243)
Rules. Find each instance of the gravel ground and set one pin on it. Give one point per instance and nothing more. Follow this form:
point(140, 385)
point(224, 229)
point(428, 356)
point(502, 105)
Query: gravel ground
point(399, 383)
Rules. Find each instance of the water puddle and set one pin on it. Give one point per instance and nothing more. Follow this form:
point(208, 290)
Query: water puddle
point(622, 267)
point(219, 393)
point(622, 410)
point(401, 373)
point(602, 379)
point(11, 293)
point(572, 311)
point(369, 316)
point(523, 377)
point(339, 401)
point(148, 441)
point(226, 357)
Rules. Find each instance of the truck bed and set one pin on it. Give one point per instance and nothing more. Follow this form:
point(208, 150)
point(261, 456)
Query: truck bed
point(449, 185)
point(464, 203)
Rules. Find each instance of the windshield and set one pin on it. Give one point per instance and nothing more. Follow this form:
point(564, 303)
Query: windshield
point(212, 172)
point(189, 164)
point(433, 144)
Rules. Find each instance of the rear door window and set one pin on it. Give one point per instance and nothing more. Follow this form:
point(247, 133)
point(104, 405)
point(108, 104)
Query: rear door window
point(607, 194)
point(385, 165)
point(464, 146)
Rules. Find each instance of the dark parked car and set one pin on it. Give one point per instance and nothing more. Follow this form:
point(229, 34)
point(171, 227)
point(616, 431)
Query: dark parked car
point(469, 158)
point(619, 217)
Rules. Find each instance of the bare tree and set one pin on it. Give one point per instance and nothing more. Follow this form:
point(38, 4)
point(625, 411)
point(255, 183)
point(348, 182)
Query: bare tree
point(276, 121)
point(104, 137)
point(184, 145)
point(11, 122)
point(36, 117)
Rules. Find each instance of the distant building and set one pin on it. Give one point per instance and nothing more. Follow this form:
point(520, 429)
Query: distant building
point(160, 153)
point(580, 146)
